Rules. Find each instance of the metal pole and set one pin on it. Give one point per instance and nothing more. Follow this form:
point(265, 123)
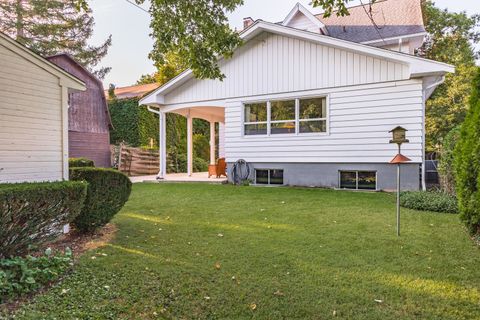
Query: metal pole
point(398, 195)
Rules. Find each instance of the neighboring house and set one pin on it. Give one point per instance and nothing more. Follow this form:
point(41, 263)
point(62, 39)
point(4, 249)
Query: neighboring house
point(33, 115)
point(311, 103)
point(89, 121)
point(136, 91)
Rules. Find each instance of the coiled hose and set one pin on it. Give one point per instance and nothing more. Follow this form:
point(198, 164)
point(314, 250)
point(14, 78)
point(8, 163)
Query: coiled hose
point(240, 171)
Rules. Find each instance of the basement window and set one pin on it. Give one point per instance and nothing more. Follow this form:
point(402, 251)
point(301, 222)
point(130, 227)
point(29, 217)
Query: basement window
point(358, 180)
point(269, 176)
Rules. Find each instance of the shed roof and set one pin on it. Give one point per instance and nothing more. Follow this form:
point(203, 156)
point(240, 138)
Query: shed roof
point(65, 78)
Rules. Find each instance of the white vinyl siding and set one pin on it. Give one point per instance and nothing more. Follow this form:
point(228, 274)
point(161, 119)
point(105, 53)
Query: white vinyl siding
point(359, 118)
point(300, 21)
point(30, 121)
point(273, 63)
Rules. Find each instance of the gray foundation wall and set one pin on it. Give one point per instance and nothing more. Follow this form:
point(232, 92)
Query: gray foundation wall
point(327, 174)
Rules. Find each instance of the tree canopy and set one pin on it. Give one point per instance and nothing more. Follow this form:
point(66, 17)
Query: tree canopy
point(54, 26)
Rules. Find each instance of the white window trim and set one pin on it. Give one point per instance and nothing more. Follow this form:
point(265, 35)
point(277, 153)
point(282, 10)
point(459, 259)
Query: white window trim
point(297, 119)
point(356, 172)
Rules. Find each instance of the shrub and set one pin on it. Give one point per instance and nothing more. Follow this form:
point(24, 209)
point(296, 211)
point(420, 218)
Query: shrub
point(23, 275)
point(429, 201)
point(467, 163)
point(33, 213)
point(132, 124)
point(445, 163)
point(80, 162)
point(107, 192)
point(180, 165)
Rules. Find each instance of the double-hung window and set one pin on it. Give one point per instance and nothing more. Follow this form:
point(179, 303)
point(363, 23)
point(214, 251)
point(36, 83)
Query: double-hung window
point(255, 118)
point(292, 116)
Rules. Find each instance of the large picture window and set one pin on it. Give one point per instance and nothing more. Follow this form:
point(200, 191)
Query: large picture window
point(294, 116)
point(358, 180)
point(256, 118)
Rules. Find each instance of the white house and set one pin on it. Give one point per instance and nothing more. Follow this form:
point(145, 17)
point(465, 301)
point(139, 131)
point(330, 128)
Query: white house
point(305, 103)
point(33, 115)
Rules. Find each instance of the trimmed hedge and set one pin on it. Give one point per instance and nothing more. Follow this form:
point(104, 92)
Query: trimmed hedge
point(132, 124)
point(429, 201)
point(33, 213)
point(107, 192)
point(80, 162)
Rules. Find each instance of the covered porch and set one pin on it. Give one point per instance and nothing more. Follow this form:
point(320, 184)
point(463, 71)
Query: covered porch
point(213, 114)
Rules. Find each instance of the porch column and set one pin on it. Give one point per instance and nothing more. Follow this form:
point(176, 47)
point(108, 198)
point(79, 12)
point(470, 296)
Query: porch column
point(221, 140)
point(162, 140)
point(212, 142)
point(189, 144)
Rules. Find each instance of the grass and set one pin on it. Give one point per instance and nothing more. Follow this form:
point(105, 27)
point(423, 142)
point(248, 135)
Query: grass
point(196, 251)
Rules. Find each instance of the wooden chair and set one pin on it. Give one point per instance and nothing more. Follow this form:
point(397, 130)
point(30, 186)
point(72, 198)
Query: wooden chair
point(219, 169)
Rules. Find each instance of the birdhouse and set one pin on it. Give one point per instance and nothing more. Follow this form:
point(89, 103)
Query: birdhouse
point(399, 135)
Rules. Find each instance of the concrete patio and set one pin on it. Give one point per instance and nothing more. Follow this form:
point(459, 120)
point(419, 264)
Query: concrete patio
point(181, 177)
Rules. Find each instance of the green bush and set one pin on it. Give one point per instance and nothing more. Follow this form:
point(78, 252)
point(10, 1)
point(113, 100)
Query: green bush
point(80, 162)
point(107, 192)
point(179, 164)
point(33, 213)
point(23, 275)
point(429, 201)
point(467, 163)
point(445, 164)
point(132, 124)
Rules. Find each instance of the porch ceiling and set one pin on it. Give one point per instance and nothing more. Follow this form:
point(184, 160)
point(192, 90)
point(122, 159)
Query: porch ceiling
point(216, 114)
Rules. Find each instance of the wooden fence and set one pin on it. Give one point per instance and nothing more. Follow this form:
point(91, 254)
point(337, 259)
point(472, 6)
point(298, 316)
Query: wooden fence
point(137, 161)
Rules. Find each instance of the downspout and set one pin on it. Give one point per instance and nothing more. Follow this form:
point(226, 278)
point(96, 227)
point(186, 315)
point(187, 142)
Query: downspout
point(424, 98)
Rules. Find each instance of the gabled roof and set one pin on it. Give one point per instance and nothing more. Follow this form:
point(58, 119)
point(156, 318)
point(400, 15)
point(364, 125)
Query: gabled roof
point(419, 67)
point(65, 78)
point(99, 83)
point(301, 10)
point(391, 18)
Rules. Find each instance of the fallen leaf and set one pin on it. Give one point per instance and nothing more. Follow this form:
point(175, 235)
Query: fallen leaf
point(217, 265)
point(253, 306)
point(278, 293)
point(206, 298)
point(220, 235)
point(378, 301)
point(64, 291)
point(334, 313)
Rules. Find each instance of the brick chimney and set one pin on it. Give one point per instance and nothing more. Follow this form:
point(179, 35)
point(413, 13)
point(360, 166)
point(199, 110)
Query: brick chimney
point(247, 22)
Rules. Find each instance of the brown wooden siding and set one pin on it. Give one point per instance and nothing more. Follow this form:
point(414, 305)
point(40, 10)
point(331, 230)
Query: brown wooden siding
point(91, 145)
point(88, 116)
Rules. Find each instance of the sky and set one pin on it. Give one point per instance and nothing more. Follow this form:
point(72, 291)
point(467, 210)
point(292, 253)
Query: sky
point(129, 27)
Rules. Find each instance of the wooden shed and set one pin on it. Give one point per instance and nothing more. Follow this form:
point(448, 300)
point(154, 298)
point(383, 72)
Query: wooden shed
point(89, 121)
point(33, 115)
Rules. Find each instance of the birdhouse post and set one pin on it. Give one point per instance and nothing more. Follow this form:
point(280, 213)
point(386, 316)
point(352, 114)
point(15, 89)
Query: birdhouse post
point(399, 136)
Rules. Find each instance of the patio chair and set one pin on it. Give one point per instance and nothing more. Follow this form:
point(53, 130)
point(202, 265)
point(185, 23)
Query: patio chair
point(218, 169)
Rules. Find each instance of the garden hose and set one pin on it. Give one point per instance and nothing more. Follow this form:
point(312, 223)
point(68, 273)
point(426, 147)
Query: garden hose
point(240, 171)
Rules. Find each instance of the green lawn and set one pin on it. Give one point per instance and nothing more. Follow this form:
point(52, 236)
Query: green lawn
point(196, 251)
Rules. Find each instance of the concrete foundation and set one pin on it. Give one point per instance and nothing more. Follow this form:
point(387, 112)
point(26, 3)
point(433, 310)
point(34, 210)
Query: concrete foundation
point(327, 174)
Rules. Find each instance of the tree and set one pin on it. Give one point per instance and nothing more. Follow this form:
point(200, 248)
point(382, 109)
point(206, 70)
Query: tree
point(197, 30)
point(339, 6)
point(467, 162)
point(450, 38)
point(171, 67)
point(52, 27)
